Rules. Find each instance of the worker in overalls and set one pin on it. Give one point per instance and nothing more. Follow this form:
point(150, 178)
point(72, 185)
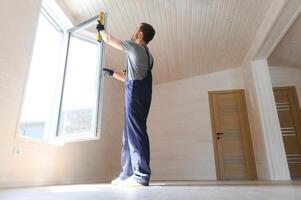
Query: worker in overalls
point(135, 155)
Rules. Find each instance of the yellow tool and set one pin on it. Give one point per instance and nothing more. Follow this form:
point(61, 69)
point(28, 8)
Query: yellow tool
point(124, 72)
point(101, 18)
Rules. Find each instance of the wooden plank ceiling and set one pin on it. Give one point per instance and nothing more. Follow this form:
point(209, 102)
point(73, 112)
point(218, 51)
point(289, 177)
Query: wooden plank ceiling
point(193, 36)
point(288, 51)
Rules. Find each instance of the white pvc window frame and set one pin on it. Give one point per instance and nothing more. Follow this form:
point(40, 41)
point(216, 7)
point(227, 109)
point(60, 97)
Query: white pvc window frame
point(51, 135)
point(96, 123)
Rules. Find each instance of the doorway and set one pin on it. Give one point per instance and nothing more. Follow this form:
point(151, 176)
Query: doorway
point(288, 109)
point(234, 155)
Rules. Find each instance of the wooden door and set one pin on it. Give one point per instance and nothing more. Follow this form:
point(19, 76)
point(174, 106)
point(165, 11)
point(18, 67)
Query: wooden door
point(289, 117)
point(231, 135)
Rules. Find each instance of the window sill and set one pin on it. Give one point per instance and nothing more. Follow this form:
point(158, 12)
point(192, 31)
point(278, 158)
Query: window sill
point(59, 141)
point(29, 140)
point(74, 138)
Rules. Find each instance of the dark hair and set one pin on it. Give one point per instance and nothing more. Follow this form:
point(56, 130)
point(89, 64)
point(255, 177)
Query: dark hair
point(148, 32)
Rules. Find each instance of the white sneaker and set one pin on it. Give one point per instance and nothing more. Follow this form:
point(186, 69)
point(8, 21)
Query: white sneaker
point(130, 182)
point(116, 181)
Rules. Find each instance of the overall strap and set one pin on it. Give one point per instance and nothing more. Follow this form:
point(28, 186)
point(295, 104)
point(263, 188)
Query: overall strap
point(150, 67)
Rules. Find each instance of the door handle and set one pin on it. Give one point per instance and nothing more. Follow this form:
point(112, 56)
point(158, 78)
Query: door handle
point(219, 135)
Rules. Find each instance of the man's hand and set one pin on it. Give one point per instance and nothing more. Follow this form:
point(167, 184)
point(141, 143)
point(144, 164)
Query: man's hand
point(116, 75)
point(109, 39)
point(99, 26)
point(108, 71)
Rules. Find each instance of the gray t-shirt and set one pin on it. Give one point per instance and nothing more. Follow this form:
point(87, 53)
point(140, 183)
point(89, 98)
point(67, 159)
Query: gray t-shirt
point(137, 62)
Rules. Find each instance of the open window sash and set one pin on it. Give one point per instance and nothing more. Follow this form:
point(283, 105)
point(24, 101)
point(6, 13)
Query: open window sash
point(77, 114)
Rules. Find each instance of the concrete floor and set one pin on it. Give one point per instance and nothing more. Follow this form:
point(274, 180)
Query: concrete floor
point(162, 190)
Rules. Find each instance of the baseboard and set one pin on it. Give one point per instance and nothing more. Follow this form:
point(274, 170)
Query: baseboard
point(42, 183)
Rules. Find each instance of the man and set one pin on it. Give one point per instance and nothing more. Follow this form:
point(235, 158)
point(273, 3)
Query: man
point(135, 155)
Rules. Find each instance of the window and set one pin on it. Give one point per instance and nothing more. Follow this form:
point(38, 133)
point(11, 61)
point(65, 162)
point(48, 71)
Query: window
point(41, 83)
point(79, 106)
point(62, 95)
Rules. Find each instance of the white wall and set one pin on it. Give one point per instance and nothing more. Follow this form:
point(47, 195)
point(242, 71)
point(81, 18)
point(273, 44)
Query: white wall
point(259, 95)
point(37, 163)
point(286, 76)
point(266, 134)
point(179, 126)
point(259, 146)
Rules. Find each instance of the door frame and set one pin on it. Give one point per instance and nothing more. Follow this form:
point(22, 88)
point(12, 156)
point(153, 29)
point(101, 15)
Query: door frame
point(213, 128)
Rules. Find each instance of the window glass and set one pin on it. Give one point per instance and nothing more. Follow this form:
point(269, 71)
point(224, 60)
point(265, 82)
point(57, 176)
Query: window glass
point(78, 113)
point(41, 83)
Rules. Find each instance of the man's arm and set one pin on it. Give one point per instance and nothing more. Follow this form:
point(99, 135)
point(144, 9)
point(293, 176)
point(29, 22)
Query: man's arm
point(116, 75)
point(111, 40)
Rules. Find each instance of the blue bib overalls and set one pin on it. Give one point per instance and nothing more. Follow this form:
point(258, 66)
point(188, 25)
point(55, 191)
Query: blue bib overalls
point(135, 156)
